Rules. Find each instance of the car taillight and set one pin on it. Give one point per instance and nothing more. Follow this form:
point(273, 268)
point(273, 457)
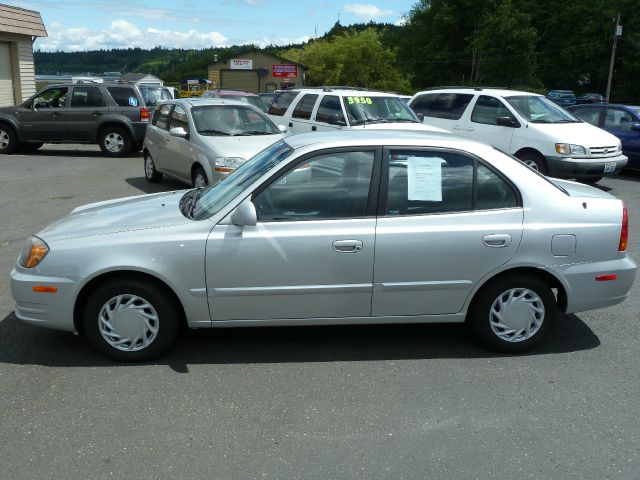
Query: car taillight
point(624, 231)
point(144, 114)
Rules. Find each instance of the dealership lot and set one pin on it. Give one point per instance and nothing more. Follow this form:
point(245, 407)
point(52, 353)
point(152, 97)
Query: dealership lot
point(331, 402)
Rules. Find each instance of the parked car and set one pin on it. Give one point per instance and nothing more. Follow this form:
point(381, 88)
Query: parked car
point(238, 95)
point(341, 108)
point(623, 121)
point(460, 231)
point(199, 141)
point(564, 98)
point(535, 130)
point(590, 98)
point(153, 94)
point(267, 99)
point(115, 116)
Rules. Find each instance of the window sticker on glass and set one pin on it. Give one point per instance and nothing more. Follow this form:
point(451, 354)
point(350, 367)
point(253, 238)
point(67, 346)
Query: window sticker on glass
point(133, 101)
point(365, 100)
point(424, 176)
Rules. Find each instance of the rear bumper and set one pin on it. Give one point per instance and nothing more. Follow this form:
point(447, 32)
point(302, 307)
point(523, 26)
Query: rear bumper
point(585, 293)
point(567, 167)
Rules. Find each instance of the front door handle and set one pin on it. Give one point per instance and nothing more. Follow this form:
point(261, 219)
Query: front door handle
point(314, 128)
point(347, 246)
point(55, 114)
point(96, 114)
point(290, 124)
point(497, 240)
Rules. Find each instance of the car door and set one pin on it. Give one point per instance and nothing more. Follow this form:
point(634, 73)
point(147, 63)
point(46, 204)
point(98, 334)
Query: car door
point(178, 153)
point(483, 124)
point(87, 105)
point(310, 254)
point(44, 118)
point(620, 122)
point(158, 137)
point(329, 115)
point(301, 116)
point(437, 234)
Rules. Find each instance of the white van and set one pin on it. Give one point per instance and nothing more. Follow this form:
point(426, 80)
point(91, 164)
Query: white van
point(325, 109)
point(537, 131)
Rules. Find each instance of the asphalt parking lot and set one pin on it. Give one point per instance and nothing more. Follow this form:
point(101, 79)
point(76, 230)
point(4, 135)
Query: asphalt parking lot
point(318, 402)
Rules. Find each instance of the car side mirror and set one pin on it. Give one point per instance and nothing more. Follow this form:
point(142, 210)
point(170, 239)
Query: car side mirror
point(636, 127)
point(283, 129)
point(507, 122)
point(420, 117)
point(179, 132)
point(245, 214)
point(336, 120)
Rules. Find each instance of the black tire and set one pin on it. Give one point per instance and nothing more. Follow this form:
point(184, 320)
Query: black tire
point(166, 319)
point(199, 172)
point(150, 172)
point(532, 301)
point(535, 161)
point(8, 139)
point(590, 180)
point(31, 147)
point(115, 141)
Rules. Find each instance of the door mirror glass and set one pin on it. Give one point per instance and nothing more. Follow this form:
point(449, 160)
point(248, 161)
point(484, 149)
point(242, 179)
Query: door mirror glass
point(420, 116)
point(179, 132)
point(636, 127)
point(283, 129)
point(244, 214)
point(506, 122)
point(335, 120)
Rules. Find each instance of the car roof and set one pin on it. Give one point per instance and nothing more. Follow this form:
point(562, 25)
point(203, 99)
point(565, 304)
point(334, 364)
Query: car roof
point(197, 101)
point(601, 105)
point(345, 91)
point(231, 92)
point(497, 92)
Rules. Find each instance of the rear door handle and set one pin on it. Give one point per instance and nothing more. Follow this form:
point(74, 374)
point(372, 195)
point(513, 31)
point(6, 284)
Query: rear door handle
point(314, 128)
point(469, 129)
point(456, 127)
point(347, 246)
point(96, 114)
point(497, 240)
point(290, 124)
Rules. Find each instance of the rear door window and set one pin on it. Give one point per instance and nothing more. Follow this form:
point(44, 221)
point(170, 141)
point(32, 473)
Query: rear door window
point(124, 96)
point(305, 107)
point(449, 106)
point(86, 97)
point(618, 119)
point(589, 115)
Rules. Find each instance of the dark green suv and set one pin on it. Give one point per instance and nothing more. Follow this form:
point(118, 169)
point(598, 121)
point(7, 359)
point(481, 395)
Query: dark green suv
point(114, 116)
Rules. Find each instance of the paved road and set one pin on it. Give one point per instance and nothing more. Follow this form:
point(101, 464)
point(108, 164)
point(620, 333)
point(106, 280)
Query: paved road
point(315, 403)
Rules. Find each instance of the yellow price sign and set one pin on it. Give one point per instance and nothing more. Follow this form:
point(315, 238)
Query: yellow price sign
point(363, 100)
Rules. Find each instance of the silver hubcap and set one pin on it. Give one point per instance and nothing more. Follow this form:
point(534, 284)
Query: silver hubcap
point(531, 164)
point(128, 322)
point(516, 315)
point(4, 139)
point(114, 142)
point(199, 181)
point(148, 166)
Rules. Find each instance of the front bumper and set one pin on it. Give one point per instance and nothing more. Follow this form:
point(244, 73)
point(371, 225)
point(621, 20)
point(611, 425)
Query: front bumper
point(49, 310)
point(568, 167)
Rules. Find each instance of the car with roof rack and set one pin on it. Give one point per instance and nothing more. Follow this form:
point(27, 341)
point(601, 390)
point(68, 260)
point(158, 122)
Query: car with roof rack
point(318, 109)
point(113, 115)
point(535, 130)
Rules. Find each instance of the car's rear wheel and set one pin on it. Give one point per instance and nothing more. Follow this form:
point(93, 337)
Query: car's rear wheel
point(513, 313)
point(115, 141)
point(8, 139)
point(130, 320)
point(150, 172)
point(535, 161)
point(199, 178)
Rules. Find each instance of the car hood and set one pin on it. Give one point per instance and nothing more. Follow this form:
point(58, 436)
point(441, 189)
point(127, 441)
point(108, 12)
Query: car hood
point(241, 146)
point(583, 134)
point(120, 215)
point(414, 127)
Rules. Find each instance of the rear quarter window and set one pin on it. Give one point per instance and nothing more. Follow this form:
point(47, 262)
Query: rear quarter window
point(281, 102)
point(124, 96)
point(449, 106)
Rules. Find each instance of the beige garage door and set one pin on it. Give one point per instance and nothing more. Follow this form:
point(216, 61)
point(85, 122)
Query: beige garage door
point(246, 80)
point(6, 77)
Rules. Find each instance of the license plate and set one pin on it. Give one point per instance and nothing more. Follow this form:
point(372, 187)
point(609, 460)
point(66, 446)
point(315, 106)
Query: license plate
point(609, 167)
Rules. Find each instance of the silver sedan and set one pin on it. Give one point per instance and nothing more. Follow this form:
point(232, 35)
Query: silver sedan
point(336, 228)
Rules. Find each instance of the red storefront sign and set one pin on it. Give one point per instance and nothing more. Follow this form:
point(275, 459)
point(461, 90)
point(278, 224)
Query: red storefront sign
point(284, 70)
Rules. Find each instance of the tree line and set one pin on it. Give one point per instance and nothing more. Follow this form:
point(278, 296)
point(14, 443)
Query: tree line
point(526, 44)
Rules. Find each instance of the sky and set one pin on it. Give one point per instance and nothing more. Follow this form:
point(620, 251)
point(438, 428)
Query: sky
point(75, 25)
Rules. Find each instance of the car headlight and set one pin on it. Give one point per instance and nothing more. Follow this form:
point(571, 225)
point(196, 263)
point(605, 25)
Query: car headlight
point(570, 149)
point(227, 164)
point(33, 253)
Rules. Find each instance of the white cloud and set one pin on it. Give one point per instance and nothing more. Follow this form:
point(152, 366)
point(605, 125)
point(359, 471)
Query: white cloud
point(123, 34)
point(367, 12)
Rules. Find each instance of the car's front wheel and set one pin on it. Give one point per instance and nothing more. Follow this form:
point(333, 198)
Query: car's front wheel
point(130, 320)
point(199, 178)
point(535, 161)
point(8, 139)
point(115, 141)
point(151, 174)
point(513, 313)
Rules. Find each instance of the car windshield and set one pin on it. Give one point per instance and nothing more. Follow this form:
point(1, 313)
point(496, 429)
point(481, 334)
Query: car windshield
point(231, 120)
point(214, 197)
point(153, 95)
point(364, 109)
point(540, 110)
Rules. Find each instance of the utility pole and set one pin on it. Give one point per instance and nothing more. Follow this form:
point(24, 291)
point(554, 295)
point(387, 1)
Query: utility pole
point(616, 34)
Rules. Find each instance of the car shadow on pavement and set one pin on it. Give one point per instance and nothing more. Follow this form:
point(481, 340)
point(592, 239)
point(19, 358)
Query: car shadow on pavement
point(629, 175)
point(67, 152)
point(25, 345)
point(144, 186)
